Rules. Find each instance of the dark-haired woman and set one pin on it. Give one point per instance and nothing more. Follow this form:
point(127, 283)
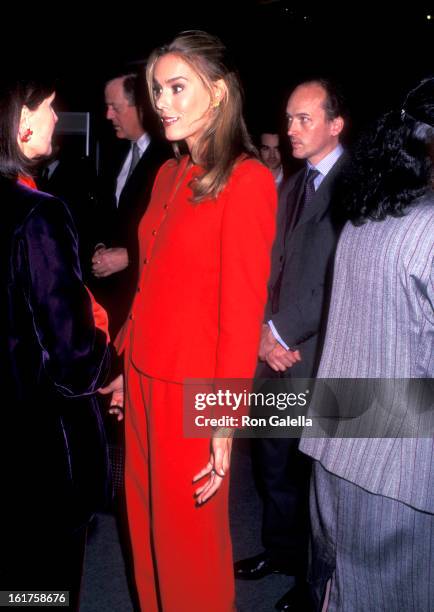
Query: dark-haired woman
point(53, 468)
point(205, 248)
point(372, 507)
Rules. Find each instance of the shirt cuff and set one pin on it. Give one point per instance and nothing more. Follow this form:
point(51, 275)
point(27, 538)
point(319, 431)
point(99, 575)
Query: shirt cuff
point(276, 335)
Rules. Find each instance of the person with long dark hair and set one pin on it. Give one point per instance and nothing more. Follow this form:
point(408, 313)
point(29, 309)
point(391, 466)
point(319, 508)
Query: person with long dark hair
point(54, 356)
point(205, 245)
point(372, 504)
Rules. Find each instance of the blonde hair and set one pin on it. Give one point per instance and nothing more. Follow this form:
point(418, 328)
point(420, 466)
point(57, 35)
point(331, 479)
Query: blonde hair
point(226, 137)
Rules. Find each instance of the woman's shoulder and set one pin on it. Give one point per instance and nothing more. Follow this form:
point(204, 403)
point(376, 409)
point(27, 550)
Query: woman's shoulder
point(39, 207)
point(250, 169)
point(22, 200)
point(171, 165)
point(168, 170)
point(30, 215)
point(251, 187)
point(425, 204)
point(251, 165)
point(419, 214)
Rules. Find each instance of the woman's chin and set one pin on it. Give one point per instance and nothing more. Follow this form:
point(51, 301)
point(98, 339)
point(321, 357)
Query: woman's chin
point(171, 136)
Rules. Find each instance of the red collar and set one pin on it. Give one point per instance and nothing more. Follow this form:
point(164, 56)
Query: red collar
point(28, 181)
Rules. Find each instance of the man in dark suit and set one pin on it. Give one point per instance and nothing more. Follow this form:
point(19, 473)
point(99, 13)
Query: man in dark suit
point(72, 177)
point(302, 255)
point(125, 199)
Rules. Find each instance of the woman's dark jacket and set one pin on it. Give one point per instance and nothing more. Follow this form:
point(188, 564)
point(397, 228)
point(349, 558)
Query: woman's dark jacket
point(53, 457)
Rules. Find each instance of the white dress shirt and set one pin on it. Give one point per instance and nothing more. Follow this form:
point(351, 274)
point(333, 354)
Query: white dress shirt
point(142, 143)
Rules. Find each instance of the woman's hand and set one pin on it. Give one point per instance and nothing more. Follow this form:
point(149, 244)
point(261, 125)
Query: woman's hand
point(217, 466)
point(116, 387)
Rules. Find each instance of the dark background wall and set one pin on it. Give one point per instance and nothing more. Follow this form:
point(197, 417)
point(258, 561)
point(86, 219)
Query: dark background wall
point(376, 52)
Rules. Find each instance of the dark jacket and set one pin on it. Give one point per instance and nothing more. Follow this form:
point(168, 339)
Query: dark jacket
point(306, 254)
point(53, 457)
point(74, 181)
point(118, 225)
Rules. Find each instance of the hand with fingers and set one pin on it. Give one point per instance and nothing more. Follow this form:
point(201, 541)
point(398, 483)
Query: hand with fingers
point(116, 388)
point(217, 466)
point(273, 353)
point(109, 261)
point(267, 342)
point(280, 358)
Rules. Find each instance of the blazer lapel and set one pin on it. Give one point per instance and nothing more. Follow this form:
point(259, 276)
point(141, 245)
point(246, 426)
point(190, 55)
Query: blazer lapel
point(287, 200)
point(132, 184)
point(292, 202)
point(135, 172)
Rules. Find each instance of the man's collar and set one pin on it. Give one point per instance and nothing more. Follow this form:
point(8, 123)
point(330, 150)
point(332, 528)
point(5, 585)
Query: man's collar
point(143, 142)
point(327, 162)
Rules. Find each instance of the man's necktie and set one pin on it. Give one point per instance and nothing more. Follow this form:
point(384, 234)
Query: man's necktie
point(135, 157)
point(292, 220)
point(308, 193)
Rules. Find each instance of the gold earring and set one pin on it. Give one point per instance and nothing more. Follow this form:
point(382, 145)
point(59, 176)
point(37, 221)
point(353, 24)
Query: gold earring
point(216, 104)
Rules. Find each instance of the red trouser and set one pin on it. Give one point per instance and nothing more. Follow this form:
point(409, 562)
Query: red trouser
point(182, 553)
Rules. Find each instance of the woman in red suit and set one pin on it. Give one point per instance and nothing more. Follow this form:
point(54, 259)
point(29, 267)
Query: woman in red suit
point(205, 248)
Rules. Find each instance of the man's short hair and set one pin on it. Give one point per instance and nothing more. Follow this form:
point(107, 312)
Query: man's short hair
point(335, 103)
point(130, 89)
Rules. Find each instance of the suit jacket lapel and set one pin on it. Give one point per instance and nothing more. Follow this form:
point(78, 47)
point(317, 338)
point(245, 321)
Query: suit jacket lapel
point(292, 202)
point(287, 200)
point(137, 172)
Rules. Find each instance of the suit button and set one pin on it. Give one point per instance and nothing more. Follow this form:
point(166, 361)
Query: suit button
point(138, 289)
point(165, 207)
point(130, 317)
point(146, 260)
point(154, 232)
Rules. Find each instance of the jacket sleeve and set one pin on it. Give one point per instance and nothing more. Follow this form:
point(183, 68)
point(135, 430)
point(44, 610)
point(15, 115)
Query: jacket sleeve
point(74, 351)
point(300, 320)
point(248, 228)
point(302, 317)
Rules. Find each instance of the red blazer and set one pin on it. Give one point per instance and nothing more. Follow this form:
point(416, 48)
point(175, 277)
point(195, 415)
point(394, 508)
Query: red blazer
point(203, 279)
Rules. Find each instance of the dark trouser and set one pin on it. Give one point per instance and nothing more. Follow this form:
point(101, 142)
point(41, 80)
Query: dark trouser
point(43, 562)
point(283, 479)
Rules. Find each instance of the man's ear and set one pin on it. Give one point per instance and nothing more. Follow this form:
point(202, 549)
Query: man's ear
point(337, 125)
